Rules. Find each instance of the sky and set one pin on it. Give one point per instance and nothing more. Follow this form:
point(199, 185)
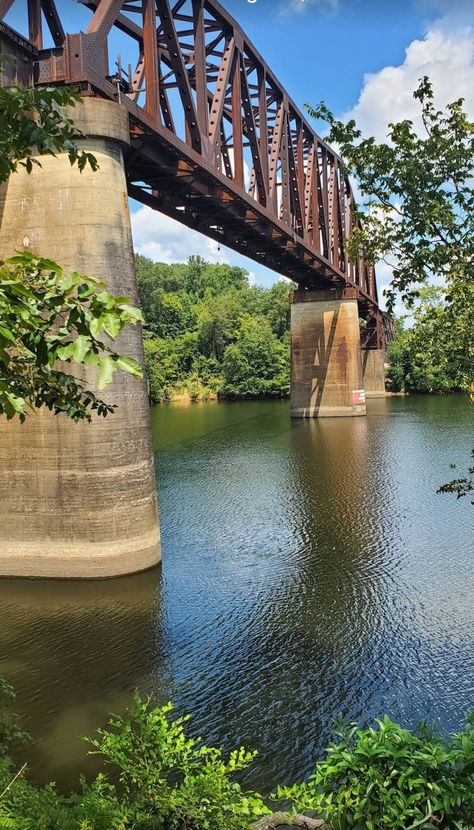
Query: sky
point(362, 57)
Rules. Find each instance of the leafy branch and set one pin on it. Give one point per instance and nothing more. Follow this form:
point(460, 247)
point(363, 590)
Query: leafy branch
point(418, 195)
point(49, 319)
point(34, 122)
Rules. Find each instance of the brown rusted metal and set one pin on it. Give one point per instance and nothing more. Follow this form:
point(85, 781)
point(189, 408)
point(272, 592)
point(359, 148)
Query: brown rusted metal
point(51, 16)
point(149, 58)
point(216, 142)
point(5, 6)
point(35, 28)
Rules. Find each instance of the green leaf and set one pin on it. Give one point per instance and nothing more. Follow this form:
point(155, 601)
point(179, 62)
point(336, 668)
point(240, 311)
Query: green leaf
point(7, 334)
point(112, 324)
point(107, 367)
point(130, 365)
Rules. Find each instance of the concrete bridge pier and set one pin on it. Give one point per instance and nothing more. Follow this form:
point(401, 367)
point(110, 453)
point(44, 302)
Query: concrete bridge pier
point(373, 368)
point(79, 500)
point(326, 365)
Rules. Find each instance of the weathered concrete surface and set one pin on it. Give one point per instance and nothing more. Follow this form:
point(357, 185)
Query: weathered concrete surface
point(326, 367)
point(79, 500)
point(373, 369)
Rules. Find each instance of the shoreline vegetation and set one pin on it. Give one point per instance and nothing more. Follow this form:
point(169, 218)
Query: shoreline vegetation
point(157, 776)
point(210, 334)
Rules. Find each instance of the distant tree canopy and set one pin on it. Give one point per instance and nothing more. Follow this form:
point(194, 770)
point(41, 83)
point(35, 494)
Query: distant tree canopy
point(208, 331)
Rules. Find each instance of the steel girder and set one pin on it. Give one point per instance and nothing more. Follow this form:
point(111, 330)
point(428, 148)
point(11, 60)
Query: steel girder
point(216, 142)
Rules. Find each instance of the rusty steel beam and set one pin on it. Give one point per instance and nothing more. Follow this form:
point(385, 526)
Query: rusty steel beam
point(179, 68)
point(35, 28)
point(252, 135)
point(104, 17)
point(197, 73)
point(150, 59)
point(54, 22)
point(5, 6)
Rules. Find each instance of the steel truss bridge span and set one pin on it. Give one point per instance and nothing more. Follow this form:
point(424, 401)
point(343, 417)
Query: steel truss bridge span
point(216, 141)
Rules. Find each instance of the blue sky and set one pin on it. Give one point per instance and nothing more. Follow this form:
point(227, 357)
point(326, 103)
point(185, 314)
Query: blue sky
point(360, 56)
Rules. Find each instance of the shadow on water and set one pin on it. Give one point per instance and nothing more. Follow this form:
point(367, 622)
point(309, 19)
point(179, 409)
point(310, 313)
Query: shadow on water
point(309, 568)
point(75, 651)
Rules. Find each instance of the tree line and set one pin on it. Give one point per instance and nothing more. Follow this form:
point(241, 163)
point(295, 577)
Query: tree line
point(433, 352)
point(209, 332)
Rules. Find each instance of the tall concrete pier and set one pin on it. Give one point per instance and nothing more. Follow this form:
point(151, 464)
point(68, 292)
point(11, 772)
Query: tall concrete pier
point(79, 500)
point(373, 369)
point(326, 366)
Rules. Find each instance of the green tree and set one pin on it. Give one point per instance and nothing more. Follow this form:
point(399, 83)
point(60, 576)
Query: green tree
point(217, 322)
point(276, 307)
point(216, 279)
point(258, 363)
point(194, 315)
point(162, 364)
point(418, 194)
point(435, 353)
point(47, 316)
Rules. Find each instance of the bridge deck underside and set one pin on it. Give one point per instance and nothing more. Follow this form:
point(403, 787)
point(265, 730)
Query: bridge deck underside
point(216, 142)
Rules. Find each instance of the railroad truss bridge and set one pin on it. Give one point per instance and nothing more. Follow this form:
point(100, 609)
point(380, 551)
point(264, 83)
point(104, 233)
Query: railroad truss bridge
point(192, 122)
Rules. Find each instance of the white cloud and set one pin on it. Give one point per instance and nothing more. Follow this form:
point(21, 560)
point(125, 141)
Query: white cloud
point(445, 54)
point(290, 7)
point(164, 240)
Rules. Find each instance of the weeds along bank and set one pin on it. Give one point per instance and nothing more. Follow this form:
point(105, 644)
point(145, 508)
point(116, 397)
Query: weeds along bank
point(164, 779)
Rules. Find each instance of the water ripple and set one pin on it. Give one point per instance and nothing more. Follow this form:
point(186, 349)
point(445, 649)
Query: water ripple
point(309, 569)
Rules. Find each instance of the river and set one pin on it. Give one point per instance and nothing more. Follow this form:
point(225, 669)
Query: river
point(309, 569)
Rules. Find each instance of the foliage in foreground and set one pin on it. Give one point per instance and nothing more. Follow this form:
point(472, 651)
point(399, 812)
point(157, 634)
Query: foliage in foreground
point(460, 486)
point(48, 316)
point(371, 779)
point(209, 332)
point(33, 122)
point(166, 781)
point(389, 777)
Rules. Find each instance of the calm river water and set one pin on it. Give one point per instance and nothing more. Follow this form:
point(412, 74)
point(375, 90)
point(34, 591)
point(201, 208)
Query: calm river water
point(309, 568)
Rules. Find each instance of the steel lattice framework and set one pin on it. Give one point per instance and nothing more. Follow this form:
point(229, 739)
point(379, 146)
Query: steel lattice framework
point(216, 142)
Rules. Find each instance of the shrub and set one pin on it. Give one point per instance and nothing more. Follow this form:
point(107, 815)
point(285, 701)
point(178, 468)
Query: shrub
point(10, 731)
point(170, 780)
point(389, 777)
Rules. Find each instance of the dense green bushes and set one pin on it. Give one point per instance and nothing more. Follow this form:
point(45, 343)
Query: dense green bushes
point(209, 332)
point(435, 354)
point(388, 777)
point(166, 781)
point(379, 778)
